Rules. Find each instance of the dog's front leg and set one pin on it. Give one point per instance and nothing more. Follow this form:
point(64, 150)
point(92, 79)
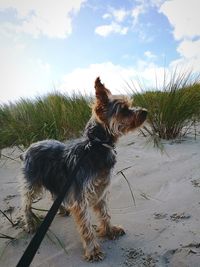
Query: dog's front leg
point(82, 218)
point(106, 229)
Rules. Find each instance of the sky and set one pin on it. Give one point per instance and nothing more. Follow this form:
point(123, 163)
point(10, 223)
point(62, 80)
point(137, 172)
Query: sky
point(63, 45)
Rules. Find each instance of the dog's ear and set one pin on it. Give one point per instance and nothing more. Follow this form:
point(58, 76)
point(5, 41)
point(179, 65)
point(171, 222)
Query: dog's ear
point(102, 93)
point(102, 100)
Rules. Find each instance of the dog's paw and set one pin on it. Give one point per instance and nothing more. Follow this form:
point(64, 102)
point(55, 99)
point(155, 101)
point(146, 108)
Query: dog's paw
point(31, 226)
point(32, 223)
point(94, 255)
point(63, 211)
point(113, 232)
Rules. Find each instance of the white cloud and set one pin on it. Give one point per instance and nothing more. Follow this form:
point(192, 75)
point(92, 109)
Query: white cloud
point(183, 16)
point(105, 30)
point(35, 17)
point(190, 55)
point(107, 16)
point(137, 11)
point(82, 79)
point(189, 49)
point(29, 77)
point(184, 66)
point(149, 55)
point(128, 17)
point(114, 76)
point(21, 75)
point(119, 14)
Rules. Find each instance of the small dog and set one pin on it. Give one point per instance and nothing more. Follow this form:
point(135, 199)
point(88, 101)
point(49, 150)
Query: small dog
point(47, 164)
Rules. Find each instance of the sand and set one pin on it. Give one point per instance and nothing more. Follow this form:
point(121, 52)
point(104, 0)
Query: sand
point(162, 227)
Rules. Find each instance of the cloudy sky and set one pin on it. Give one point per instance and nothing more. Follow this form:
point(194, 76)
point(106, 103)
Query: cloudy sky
point(63, 45)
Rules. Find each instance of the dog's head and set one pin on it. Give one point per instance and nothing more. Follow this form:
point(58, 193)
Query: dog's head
point(115, 112)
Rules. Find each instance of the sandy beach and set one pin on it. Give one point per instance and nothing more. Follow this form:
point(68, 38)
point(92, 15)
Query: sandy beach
point(162, 227)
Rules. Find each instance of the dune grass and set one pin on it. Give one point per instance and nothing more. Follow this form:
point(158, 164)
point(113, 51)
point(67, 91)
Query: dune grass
point(173, 109)
point(54, 116)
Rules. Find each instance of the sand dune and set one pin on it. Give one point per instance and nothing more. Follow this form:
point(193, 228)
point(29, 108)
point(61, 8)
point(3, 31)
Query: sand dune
point(162, 228)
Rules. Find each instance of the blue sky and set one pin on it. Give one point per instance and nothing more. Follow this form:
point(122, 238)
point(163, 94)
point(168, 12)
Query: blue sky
point(63, 45)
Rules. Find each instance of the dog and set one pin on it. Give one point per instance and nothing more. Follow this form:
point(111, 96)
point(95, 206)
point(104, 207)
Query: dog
point(47, 165)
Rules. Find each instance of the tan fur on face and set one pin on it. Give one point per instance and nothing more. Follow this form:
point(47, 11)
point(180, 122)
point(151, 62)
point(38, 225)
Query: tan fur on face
point(121, 122)
point(124, 100)
point(103, 97)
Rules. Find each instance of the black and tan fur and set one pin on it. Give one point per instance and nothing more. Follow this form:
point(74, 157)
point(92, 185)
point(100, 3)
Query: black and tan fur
point(47, 164)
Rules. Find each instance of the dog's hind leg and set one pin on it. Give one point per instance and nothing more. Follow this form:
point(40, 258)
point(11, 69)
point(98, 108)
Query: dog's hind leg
point(106, 229)
point(81, 215)
point(28, 194)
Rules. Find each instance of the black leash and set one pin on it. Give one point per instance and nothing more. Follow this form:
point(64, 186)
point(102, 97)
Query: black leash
point(33, 246)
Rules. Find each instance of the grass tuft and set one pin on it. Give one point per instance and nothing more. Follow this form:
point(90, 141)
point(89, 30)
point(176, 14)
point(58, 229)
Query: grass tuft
point(173, 109)
point(54, 116)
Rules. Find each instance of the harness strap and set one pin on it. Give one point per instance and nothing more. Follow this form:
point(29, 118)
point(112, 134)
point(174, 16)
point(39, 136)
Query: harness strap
point(106, 143)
